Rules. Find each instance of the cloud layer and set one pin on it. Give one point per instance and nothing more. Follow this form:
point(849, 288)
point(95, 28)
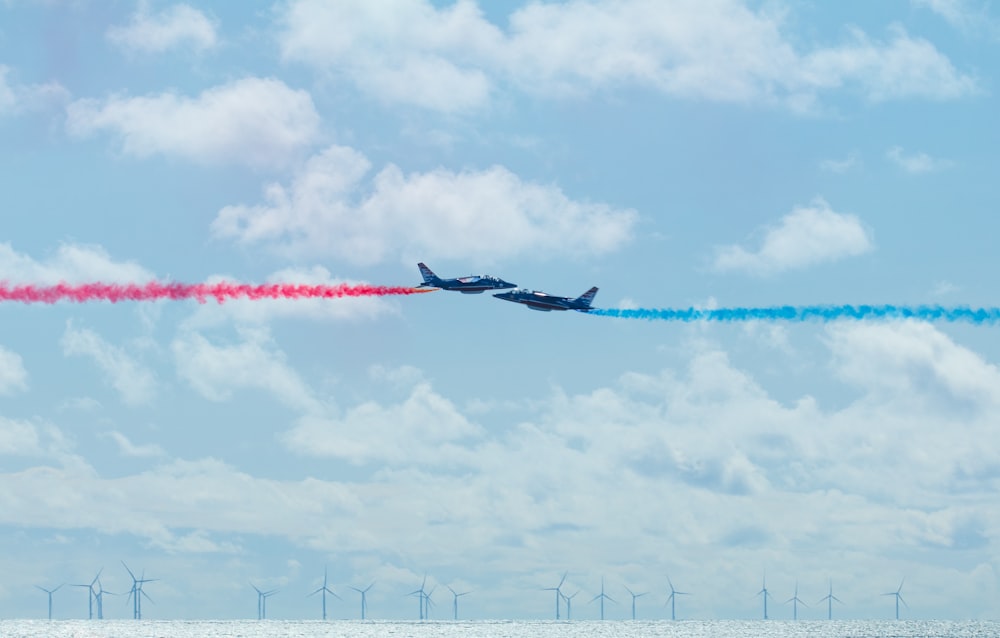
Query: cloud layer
point(453, 59)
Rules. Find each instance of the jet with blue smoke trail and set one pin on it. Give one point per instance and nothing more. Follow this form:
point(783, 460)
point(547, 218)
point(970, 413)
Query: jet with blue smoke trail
point(545, 302)
point(948, 314)
point(470, 285)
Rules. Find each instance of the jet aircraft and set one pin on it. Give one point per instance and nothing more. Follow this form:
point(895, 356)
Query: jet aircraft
point(545, 302)
point(471, 285)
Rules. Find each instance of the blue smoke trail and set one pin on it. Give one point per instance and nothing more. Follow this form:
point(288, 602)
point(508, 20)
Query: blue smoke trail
point(808, 313)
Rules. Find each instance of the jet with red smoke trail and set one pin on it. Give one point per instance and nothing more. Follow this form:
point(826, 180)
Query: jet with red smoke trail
point(545, 302)
point(470, 285)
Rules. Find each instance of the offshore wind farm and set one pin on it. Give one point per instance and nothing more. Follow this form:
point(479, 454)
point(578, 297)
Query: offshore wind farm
point(424, 596)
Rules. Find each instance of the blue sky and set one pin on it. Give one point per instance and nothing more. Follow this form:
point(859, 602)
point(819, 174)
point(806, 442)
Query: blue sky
point(675, 154)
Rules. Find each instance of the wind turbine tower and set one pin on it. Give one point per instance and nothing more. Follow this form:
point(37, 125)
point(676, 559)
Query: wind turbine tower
point(634, 596)
point(569, 605)
point(455, 601)
point(672, 599)
point(364, 599)
point(602, 596)
point(795, 600)
point(829, 598)
point(899, 597)
point(424, 598)
point(136, 593)
point(262, 601)
point(558, 590)
point(49, 592)
point(325, 590)
point(763, 591)
point(91, 595)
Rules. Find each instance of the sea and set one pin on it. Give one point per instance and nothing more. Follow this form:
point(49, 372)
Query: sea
point(497, 629)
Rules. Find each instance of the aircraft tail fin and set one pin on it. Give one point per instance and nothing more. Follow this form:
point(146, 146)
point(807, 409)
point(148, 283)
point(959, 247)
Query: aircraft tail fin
point(587, 297)
point(427, 274)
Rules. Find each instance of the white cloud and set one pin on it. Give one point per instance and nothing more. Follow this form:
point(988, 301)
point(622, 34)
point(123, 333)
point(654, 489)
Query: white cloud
point(18, 438)
point(216, 371)
point(425, 428)
point(13, 376)
point(905, 67)
point(453, 59)
point(851, 162)
point(27, 439)
point(255, 121)
point(400, 51)
point(71, 263)
point(491, 214)
point(175, 26)
point(263, 311)
point(134, 382)
point(807, 236)
point(962, 14)
point(19, 98)
point(916, 163)
point(127, 448)
point(907, 359)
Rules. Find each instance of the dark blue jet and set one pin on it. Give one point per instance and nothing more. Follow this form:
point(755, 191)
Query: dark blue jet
point(471, 285)
point(545, 302)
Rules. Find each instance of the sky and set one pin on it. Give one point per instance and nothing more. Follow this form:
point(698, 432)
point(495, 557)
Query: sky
point(675, 154)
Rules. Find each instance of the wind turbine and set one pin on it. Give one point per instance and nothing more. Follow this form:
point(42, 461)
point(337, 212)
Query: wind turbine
point(326, 590)
point(899, 597)
point(672, 599)
point(91, 595)
point(136, 593)
point(557, 589)
point(569, 608)
point(99, 596)
point(455, 602)
point(262, 601)
point(829, 598)
point(634, 596)
point(763, 590)
point(49, 592)
point(421, 595)
point(795, 600)
point(364, 600)
point(428, 603)
point(602, 596)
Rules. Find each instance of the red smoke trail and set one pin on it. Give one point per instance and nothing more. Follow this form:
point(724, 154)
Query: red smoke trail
point(221, 292)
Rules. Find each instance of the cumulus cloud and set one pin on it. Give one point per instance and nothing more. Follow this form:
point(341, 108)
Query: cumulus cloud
point(217, 371)
point(453, 59)
point(425, 428)
point(261, 122)
point(916, 163)
point(177, 26)
point(13, 376)
point(330, 209)
point(71, 263)
point(807, 236)
point(134, 382)
point(400, 51)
